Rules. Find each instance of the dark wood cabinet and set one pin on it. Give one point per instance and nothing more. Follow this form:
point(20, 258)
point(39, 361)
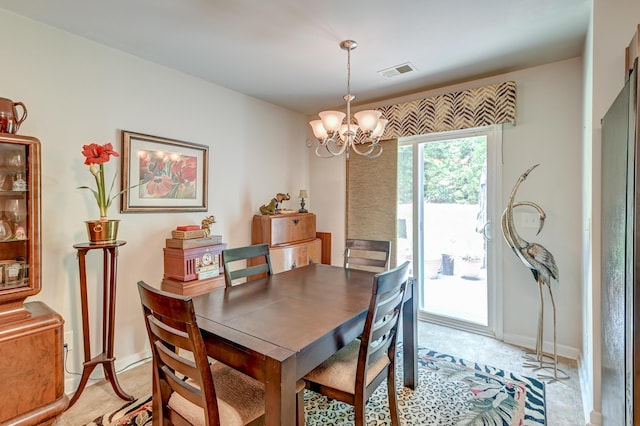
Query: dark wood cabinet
point(31, 334)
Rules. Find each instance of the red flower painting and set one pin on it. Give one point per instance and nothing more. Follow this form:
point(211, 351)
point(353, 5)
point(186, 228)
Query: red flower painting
point(167, 175)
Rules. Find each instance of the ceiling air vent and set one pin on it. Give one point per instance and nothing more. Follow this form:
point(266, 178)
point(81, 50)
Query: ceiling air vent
point(397, 70)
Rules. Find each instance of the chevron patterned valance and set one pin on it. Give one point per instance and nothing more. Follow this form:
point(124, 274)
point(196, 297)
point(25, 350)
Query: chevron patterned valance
point(483, 106)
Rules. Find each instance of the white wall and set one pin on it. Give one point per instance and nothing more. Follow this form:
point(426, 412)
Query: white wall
point(613, 24)
point(79, 92)
point(548, 131)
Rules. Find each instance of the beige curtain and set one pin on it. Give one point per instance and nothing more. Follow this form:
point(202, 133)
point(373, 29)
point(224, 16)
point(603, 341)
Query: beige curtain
point(372, 183)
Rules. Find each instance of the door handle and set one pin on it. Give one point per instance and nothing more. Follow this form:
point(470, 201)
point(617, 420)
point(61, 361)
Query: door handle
point(486, 231)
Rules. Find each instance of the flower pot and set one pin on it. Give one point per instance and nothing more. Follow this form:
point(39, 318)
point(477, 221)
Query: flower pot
point(447, 264)
point(102, 231)
point(470, 268)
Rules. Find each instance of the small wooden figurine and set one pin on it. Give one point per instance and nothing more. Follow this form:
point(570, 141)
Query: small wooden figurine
point(205, 225)
point(272, 207)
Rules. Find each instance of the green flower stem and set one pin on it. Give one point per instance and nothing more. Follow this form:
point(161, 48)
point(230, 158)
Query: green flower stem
point(102, 202)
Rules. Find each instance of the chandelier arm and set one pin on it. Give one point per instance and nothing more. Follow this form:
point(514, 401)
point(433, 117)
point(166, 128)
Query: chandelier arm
point(373, 153)
point(376, 155)
point(319, 152)
point(341, 149)
point(332, 146)
point(365, 153)
point(369, 153)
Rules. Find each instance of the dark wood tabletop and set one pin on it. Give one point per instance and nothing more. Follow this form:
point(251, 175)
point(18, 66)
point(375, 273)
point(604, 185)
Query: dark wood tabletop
point(278, 328)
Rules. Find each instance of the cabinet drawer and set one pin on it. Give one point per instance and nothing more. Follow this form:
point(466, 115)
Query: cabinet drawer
point(290, 257)
point(283, 229)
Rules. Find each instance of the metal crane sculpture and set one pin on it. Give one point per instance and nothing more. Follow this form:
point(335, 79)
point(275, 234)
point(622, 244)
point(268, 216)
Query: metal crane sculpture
point(543, 267)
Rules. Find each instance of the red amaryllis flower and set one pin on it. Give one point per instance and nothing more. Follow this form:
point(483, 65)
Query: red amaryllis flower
point(98, 154)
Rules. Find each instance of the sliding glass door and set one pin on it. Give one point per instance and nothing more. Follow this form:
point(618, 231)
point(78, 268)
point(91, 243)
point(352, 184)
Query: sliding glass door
point(448, 218)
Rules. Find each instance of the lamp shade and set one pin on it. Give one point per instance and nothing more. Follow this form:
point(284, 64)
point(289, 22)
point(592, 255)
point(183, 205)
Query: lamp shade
point(318, 129)
point(368, 119)
point(331, 120)
point(303, 194)
point(379, 130)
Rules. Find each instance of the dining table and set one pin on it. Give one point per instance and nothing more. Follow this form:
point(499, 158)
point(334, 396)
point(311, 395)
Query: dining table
point(278, 328)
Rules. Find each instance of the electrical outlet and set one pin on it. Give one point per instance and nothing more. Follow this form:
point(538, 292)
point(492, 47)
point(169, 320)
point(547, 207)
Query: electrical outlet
point(68, 340)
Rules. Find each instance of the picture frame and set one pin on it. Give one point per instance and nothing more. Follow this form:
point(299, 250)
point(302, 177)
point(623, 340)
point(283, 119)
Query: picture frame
point(162, 175)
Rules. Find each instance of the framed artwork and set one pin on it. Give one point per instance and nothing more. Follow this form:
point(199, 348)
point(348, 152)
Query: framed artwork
point(164, 175)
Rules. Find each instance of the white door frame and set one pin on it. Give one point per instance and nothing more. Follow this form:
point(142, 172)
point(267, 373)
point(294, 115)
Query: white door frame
point(494, 212)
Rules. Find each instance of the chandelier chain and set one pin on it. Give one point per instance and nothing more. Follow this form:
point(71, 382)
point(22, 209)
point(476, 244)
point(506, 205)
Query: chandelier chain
point(349, 98)
point(349, 72)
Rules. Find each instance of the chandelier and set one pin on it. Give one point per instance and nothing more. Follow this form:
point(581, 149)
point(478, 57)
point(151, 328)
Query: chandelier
point(337, 138)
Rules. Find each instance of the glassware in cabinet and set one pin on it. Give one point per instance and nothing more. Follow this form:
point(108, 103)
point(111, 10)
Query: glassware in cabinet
point(19, 221)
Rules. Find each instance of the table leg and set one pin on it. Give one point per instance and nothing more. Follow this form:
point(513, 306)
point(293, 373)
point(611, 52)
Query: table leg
point(280, 392)
point(410, 336)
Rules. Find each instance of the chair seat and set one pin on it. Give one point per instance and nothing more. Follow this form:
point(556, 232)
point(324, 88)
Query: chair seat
point(339, 370)
point(231, 387)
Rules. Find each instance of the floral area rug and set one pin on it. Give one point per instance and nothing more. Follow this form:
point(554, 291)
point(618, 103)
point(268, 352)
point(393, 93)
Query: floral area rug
point(450, 392)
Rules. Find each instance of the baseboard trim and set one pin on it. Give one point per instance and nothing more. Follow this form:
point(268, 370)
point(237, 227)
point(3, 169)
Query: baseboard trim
point(595, 418)
point(530, 343)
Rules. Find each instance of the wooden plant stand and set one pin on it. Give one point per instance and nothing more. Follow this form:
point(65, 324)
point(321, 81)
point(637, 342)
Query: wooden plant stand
point(104, 358)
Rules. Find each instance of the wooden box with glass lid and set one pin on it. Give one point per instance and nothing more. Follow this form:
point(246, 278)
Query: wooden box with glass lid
point(31, 334)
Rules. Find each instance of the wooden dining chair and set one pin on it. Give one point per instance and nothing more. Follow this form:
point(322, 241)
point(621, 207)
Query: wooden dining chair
point(353, 373)
point(368, 255)
point(258, 262)
point(187, 390)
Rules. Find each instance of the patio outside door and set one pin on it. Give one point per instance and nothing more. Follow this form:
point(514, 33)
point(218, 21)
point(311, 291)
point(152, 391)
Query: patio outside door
point(449, 219)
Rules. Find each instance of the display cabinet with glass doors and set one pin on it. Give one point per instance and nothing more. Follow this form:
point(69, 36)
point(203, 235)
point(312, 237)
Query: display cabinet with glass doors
point(31, 333)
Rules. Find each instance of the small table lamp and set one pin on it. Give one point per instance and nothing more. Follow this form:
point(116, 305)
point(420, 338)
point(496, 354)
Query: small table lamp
point(303, 194)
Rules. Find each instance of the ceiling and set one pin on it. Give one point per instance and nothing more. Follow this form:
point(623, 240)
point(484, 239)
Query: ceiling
point(286, 51)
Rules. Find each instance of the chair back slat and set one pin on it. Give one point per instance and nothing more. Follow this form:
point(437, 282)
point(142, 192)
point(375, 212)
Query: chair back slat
point(249, 271)
point(182, 387)
point(369, 255)
point(382, 328)
point(170, 335)
point(259, 253)
point(392, 300)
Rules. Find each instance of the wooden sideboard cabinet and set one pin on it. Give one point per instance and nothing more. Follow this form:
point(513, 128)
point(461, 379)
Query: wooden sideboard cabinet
point(291, 237)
